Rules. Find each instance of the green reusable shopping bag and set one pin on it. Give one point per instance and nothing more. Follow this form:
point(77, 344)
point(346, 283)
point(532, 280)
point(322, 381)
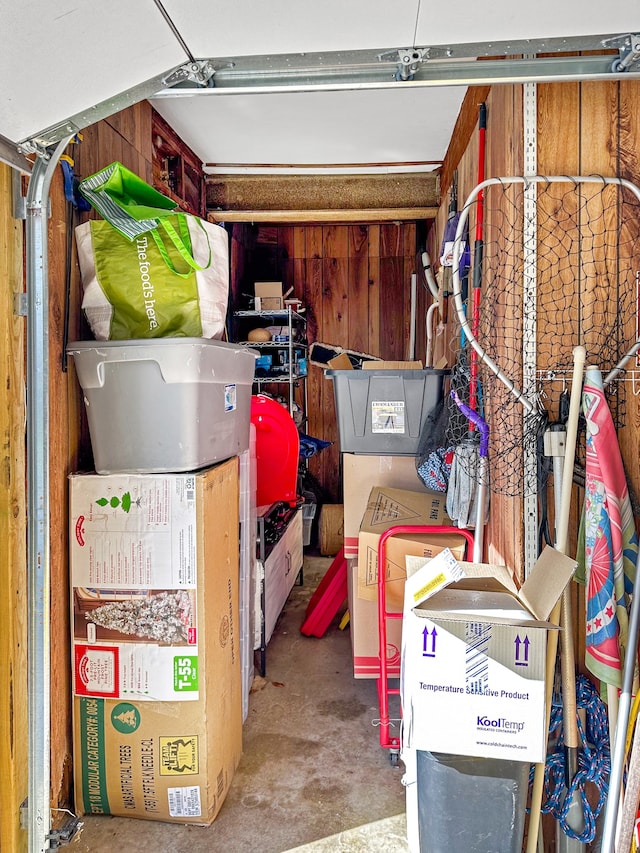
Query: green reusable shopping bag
point(148, 299)
point(133, 207)
point(131, 292)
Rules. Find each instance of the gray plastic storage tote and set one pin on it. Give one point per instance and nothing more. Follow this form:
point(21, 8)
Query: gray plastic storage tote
point(167, 405)
point(381, 412)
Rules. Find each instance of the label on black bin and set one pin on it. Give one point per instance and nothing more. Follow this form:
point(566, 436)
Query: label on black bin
point(387, 417)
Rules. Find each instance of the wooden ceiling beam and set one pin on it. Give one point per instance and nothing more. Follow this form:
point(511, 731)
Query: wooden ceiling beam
point(395, 191)
point(387, 214)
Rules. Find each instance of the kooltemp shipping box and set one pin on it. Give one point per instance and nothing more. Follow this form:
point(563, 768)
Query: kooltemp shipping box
point(359, 475)
point(473, 656)
point(157, 711)
point(363, 625)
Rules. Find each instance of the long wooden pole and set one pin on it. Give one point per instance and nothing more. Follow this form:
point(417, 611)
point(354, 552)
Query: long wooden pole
point(562, 529)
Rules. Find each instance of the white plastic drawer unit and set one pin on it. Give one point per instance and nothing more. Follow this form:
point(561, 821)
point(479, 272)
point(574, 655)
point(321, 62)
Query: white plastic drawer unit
point(281, 569)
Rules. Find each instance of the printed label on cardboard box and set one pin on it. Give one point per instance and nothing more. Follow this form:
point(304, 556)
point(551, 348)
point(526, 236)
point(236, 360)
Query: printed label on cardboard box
point(134, 587)
point(151, 527)
point(481, 686)
point(144, 672)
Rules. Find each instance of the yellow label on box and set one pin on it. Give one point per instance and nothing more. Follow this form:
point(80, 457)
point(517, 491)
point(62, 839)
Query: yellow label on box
point(179, 756)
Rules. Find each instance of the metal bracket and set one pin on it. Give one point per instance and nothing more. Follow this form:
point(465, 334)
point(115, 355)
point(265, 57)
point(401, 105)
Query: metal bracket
point(629, 55)
point(409, 60)
point(40, 144)
point(20, 303)
point(65, 826)
point(19, 202)
point(199, 72)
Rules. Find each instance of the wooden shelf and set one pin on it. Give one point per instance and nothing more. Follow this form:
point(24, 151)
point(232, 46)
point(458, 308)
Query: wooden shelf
point(177, 172)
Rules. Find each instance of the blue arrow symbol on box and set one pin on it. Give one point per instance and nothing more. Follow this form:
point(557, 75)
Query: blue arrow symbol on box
point(525, 651)
point(425, 643)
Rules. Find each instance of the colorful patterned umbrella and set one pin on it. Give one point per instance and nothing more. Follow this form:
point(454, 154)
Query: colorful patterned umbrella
point(610, 540)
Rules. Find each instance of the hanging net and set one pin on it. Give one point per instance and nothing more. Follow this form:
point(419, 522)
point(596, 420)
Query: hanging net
point(560, 267)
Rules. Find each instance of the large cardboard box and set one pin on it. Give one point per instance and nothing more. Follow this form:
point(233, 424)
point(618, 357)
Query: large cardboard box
point(474, 656)
point(331, 529)
point(269, 296)
point(157, 709)
point(363, 624)
point(359, 475)
point(397, 549)
point(387, 508)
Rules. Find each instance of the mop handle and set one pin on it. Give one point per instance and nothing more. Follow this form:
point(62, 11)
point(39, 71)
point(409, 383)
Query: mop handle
point(477, 420)
point(562, 526)
point(579, 358)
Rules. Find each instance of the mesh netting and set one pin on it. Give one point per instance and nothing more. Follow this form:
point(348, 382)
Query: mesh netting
point(564, 274)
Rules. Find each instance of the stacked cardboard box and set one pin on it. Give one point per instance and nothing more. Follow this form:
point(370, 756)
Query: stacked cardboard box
point(474, 656)
point(386, 508)
point(157, 713)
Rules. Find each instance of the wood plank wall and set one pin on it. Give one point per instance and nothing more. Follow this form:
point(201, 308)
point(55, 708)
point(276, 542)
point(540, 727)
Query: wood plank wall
point(583, 128)
point(13, 557)
point(125, 137)
point(503, 156)
point(354, 281)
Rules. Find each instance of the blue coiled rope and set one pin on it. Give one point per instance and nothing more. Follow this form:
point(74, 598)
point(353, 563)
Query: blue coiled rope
point(594, 762)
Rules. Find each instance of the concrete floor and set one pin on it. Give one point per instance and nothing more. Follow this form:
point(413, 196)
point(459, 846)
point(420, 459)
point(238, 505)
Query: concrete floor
point(312, 776)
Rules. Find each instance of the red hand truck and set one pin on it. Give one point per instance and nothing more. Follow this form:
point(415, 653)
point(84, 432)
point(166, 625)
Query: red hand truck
point(384, 690)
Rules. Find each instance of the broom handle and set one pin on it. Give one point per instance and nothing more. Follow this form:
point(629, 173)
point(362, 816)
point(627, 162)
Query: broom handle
point(562, 528)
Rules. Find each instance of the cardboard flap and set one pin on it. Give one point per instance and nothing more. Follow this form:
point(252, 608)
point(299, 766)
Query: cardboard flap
point(488, 576)
point(425, 611)
point(474, 602)
point(544, 586)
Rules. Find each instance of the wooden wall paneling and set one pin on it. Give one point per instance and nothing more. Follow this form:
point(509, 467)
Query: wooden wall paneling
point(392, 309)
point(558, 154)
point(629, 168)
point(408, 270)
point(299, 241)
point(358, 300)
point(391, 239)
point(465, 124)
point(124, 124)
point(59, 439)
point(13, 556)
point(598, 155)
point(285, 257)
point(142, 123)
point(505, 519)
point(313, 238)
point(358, 304)
point(335, 241)
point(299, 282)
point(312, 296)
point(374, 291)
point(110, 145)
point(335, 331)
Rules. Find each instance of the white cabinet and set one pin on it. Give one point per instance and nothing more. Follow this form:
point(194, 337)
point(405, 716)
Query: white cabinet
point(277, 575)
point(280, 571)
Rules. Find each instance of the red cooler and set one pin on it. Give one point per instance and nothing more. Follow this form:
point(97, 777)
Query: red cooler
point(277, 451)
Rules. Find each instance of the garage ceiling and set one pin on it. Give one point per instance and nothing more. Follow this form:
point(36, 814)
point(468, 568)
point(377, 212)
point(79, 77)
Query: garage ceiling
point(68, 63)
